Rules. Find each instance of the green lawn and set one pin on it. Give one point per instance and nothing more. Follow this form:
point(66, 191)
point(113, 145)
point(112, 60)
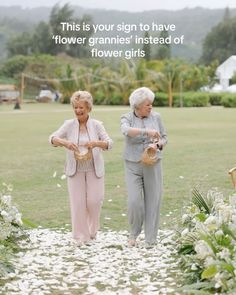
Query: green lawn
point(200, 151)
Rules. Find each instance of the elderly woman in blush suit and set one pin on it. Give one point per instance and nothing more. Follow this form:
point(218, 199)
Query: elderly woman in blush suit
point(85, 176)
point(144, 182)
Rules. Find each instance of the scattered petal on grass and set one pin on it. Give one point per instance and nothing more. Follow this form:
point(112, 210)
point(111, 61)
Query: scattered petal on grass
point(58, 185)
point(118, 186)
point(181, 177)
point(50, 261)
point(123, 214)
point(110, 200)
point(107, 218)
point(54, 174)
point(63, 177)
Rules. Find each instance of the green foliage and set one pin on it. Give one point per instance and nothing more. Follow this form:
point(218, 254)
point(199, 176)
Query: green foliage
point(20, 45)
point(163, 50)
point(147, 47)
point(209, 272)
point(14, 65)
point(161, 99)
point(197, 99)
point(40, 40)
point(229, 101)
point(215, 98)
point(201, 202)
point(220, 43)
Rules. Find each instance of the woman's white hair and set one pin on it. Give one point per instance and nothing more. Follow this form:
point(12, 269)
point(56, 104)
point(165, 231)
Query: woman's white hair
point(139, 95)
point(84, 96)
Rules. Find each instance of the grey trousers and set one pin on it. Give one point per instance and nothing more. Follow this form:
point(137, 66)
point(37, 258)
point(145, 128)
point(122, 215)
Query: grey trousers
point(144, 186)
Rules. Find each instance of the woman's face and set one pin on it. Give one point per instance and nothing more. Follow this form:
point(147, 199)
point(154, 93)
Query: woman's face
point(81, 110)
point(145, 108)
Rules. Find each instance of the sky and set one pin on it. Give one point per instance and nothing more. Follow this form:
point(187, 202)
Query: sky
point(127, 5)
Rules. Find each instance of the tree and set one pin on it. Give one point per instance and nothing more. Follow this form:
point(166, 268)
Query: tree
point(82, 50)
point(147, 47)
point(220, 43)
point(20, 45)
point(40, 41)
point(57, 16)
point(226, 14)
point(164, 50)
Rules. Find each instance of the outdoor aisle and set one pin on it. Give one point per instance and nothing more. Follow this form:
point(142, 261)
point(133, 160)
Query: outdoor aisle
point(52, 264)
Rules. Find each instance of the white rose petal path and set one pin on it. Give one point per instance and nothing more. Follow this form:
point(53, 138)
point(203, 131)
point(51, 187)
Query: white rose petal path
point(51, 263)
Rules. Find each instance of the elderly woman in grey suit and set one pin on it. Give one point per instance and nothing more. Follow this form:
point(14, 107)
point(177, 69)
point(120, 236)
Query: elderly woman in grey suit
point(141, 128)
point(84, 139)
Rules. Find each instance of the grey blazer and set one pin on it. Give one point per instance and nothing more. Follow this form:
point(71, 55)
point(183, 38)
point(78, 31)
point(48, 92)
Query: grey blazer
point(134, 146)
point(70, 131)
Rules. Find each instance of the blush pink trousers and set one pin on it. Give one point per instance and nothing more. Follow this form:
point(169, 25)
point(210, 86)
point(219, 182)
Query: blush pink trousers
point(86, 192)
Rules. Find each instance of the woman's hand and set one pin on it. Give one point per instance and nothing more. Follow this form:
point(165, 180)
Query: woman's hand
point(70, 145)
point(153, 146)
point(90, 144)
point(153, 133)
point(100, 144)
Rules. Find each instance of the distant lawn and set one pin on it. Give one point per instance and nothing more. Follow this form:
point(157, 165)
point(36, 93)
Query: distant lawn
point(200, 151)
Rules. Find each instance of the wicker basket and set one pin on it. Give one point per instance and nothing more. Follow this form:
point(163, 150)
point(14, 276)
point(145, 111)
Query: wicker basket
point(83, 156)
point(149, 156)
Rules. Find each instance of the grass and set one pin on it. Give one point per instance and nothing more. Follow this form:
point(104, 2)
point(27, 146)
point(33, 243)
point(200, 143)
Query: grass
point(200, 152)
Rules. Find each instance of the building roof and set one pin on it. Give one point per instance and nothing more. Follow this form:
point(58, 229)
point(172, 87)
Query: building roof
point(227, 69)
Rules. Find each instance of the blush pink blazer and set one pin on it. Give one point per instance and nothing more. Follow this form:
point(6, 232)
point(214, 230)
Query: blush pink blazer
point(70, 131)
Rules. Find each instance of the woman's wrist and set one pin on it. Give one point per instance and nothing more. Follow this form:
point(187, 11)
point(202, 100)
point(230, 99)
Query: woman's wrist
point(143, 132)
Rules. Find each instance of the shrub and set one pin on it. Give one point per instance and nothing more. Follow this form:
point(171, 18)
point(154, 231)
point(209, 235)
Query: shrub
point(116, 99)
point(229, 100)
point(195, 99)
point(161, 99)
point(98, 98)
point(215, 98)
point(14, 66)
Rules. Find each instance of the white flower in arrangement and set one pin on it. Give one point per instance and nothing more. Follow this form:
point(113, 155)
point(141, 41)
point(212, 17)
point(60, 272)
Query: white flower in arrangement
point(209, 261)
point(5, 230)
point(218, 279)
point(18, 219)
point(211, 223)
point(6, 200)
point(203, 249)
point(194, 267)
point(184, 232)
point(233, 218)
point(219, 233)
point(6, 217)
point(225, 213)
point(218, 285)
point(224, 254)
point(185, 218)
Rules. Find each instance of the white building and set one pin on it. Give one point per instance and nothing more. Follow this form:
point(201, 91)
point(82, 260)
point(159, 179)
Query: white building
point(226, 71)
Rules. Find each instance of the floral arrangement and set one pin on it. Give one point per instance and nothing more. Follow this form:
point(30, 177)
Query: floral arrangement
point(207, 244)
point(10, 228)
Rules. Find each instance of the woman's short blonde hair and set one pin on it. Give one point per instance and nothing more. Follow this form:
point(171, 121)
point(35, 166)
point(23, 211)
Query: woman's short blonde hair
point(82, 96)
point(139, 95)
